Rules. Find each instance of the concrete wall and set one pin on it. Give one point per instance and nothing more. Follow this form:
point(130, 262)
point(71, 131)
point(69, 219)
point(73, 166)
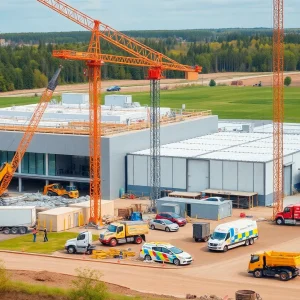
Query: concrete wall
point(114, 148)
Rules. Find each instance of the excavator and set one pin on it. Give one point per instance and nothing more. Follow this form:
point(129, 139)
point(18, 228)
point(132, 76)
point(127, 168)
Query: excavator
point(8, 170)
point(57, 189)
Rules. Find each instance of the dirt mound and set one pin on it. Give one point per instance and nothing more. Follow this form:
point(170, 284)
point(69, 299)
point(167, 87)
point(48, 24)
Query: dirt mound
point(44, 276)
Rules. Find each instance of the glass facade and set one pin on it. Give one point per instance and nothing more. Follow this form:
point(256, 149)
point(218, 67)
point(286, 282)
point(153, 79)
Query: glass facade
point(34, 163)
point(58, 165)
point(52, 164)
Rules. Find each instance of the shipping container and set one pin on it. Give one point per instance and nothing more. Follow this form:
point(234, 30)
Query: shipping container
point(198, 208)
point(60, 219)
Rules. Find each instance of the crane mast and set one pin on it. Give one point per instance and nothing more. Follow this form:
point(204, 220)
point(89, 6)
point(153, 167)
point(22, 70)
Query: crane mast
point(142, 55)
point(278, 105)
point(30, 131)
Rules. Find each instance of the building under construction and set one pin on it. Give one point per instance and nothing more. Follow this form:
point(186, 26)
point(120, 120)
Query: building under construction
point(59, 150)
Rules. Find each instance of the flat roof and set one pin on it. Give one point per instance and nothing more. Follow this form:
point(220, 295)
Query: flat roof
point(229, 193)
point(184, 194)
point(59, 211)
point(232, 146)
point(191, 201)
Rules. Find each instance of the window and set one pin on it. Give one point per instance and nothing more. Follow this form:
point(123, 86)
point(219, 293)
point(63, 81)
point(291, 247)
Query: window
point(227, 236)
point(81, 237)
point(176, 250)
point(120, 229)
point(166, 251)
point(112, 228)
point(168, 222)
point(212, 199)
point(52, 164)
point(25, 164)
point(254, 258)
point(218, 236)
point(32, 163)
point(157, 249)
point(287, 210)
point(156, 221)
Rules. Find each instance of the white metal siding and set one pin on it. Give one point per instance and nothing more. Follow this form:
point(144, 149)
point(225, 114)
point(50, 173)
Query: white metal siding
point(245, 177)
point(179, 173)
point(269, 178)
point(198, 175)
point(140, 170)
point(287, 180)
point(215, 175)
point(130, 169)
point(259, 178)
point(230, 175)
point(295, 168)
point(166, 172)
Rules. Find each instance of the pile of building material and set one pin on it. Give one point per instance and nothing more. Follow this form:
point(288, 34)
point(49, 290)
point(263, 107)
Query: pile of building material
point(40, 200)
point(125, 213)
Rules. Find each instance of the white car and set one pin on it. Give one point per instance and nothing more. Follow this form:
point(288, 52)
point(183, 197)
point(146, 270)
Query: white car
point(164, 252)
point(163, 224)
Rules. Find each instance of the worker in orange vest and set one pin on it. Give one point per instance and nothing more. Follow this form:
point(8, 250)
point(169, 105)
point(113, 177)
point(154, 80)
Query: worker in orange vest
point(34, 232)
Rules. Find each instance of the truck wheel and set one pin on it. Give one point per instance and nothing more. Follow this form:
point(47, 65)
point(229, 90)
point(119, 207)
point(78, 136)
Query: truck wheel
point(176, 262)
point(22, 230)
point(14, 230)
point(71, 250)
point(247, 243)
point(225, 249)
point(284, 276)
point(138, 240)
point(113, 243)
point(258, 273)
point(6, 230)
point(197, 240)
point(251, 241)
point(279, 221)
point(90, 252)
point(147, 257)
point(152, 227)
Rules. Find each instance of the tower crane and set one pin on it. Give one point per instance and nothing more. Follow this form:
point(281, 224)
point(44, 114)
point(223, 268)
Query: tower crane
point(8, 170)
point(142, 55)
point(278, 105)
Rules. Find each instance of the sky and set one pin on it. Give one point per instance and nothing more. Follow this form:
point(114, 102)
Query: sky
point(32, 16)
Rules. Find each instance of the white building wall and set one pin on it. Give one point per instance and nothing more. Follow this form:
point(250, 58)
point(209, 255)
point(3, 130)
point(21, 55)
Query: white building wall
point(140, 170)
point(230, 175)
point(259, 178)
point(269, 178)
point(130, 171)
point(179, 173)
point(166, 164)
point(216, 174)
point(245, 177)
point(296, 168)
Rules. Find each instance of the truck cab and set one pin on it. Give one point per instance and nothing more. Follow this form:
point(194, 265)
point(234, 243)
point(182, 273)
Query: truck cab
point(124, 232)
point(81, 244)
point(290, 215)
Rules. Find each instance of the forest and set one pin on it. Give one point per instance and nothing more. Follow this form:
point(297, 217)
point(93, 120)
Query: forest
point(28, 63)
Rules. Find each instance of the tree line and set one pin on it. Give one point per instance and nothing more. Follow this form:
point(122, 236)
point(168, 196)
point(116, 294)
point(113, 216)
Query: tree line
point(27, 67)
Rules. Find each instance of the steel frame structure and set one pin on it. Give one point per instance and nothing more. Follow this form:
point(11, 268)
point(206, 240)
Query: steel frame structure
point(278, 105)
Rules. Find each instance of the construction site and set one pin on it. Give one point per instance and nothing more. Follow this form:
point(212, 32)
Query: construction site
point(134, 190)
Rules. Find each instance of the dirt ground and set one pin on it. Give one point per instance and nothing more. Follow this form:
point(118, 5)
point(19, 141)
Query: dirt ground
point(141, 85)
point(65, 281)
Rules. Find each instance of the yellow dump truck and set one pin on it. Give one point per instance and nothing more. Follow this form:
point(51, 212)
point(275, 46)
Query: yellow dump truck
point(275, 264)
point(124, 232)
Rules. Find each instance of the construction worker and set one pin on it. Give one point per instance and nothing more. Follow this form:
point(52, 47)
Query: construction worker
point(45, 235)
point(34, 233)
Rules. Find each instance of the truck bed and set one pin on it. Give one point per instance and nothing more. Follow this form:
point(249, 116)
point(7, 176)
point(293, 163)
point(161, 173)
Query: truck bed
point(276, 259)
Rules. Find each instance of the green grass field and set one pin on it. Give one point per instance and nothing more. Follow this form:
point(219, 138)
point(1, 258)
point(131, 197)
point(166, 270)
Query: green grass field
point(24, 243)
point(226, 102)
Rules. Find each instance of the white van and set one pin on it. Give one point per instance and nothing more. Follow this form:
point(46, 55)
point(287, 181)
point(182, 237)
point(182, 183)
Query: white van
point(233, 234)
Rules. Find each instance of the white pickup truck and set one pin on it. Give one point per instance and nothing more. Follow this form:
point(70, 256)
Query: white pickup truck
point(81, 244)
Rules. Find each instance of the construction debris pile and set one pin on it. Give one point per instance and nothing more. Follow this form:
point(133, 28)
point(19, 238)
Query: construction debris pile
point(127, 212)
point(40, 200)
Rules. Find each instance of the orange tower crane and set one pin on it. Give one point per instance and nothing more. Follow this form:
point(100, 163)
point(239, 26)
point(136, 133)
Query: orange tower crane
point(141, 56)
point(8, 170)
point(278, 105)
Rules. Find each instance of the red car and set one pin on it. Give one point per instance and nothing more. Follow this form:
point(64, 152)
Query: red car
point(172, 217)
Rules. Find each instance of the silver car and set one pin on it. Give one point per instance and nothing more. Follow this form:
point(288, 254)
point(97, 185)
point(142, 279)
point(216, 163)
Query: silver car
point(163, 224)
